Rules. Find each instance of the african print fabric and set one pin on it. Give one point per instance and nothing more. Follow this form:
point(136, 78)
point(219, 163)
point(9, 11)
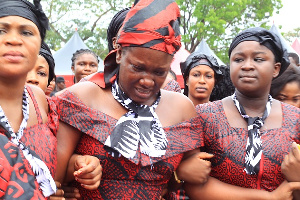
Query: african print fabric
point(254, 143)
point(39, 168)
point(228, 145)
point(122, 178)
point(17, 181)
point(140, 126)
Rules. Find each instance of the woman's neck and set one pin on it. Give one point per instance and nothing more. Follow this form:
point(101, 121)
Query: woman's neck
point(254, 106)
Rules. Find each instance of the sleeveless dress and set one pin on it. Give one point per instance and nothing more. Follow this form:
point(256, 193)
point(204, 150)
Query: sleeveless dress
point(122, 178)
point(41, 137)
point(228, 144)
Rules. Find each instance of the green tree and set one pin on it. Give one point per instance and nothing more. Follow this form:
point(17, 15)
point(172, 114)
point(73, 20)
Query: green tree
point(218, 21)
point(89, 17)
point(292, 35)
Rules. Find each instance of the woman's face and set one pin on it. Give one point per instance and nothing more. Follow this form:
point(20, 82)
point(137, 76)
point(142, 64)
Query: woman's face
point(85, 64)
point(20, 42)
point(201, 81)
point(39, 75)
point(142, 72)
point(290, 94)
point(252, 68)
point(50, 87)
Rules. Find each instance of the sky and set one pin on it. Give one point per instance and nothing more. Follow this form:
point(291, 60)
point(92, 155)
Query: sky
point(288, 17)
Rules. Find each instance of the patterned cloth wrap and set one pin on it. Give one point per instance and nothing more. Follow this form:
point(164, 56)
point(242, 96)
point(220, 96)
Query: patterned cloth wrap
point(228, 145)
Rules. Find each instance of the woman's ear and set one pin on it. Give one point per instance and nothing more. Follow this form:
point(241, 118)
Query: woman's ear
point(276, 71)
point(73, 69)
point(114, 42)
point(119, 54)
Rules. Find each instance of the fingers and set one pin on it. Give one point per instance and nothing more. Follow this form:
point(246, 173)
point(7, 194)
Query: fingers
point(204, 155)
point(71, 193)
point(294, 185)
point(90, 173)
point(80, 162)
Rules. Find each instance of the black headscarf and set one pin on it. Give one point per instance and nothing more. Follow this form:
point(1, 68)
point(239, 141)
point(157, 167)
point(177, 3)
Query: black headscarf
point(266, 38)
point(46, 53)
point(195, 59)
point(25, 9)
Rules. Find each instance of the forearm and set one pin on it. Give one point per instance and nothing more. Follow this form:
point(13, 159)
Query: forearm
point(215, 189)
point(69, 176)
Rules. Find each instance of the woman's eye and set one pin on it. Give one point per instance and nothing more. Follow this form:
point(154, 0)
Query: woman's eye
point(160, 73)
point(136, 68)
point(209, 76)
point(259, 59)
point(27, 33)
point(238, 60)
point(43, 74)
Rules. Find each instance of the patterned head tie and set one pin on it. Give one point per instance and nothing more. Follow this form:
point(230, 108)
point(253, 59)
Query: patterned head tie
point(150, 24)
point(25, 9)
point(266, 38)
point(195, 59)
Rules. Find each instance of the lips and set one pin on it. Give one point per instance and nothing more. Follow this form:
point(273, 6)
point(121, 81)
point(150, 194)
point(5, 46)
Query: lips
point(13, 56)
point(201, 89)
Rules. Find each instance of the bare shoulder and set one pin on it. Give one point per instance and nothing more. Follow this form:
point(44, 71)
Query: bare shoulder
point(40, 97)
point(176, 107)
point(88, 92)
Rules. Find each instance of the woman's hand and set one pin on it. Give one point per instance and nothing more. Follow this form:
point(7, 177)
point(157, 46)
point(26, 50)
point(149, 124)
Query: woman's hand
point(59, 195)
point(88, 171)
point(285, 191)
point(195, 169)
point(290, 166)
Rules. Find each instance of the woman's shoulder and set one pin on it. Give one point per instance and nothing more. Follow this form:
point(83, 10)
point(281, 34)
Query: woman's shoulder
point(177, 104)
point(39, 97)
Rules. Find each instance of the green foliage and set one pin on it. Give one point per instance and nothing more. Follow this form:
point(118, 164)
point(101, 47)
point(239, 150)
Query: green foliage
point(216, 21)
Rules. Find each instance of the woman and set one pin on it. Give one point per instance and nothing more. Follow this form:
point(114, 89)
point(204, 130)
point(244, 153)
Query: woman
point(43, 72)
point(248, 156)
point(123, 117)
point(200, 74)
point(51, 87)
point(84, 63)
point(24, 109)
point(27, 119)
point(286, 88)
point(113, 31)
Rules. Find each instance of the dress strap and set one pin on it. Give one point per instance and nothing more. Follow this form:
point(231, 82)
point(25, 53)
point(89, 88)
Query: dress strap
point(36, 107)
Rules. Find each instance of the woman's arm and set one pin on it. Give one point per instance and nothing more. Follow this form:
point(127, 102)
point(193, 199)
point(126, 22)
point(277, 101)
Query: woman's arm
point(67, 139)
point(290, 167)
point(215, 189)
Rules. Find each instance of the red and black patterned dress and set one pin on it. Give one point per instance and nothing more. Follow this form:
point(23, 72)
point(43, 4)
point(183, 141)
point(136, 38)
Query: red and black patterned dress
point(41, 137)
point(172, 85)
point(17, 181)
point(228, 145)
point(121, 178)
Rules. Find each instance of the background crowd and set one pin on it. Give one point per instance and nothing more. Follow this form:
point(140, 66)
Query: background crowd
point(130, 131)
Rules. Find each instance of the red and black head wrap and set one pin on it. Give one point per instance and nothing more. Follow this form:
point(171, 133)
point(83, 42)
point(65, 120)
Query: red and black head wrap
point(151, 24)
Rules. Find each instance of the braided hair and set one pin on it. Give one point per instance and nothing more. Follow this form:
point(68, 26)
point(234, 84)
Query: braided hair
point(81, 52)
point(114, 26)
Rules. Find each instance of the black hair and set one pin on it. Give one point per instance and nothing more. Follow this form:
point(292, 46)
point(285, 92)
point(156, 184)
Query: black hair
point(224, 87)
point(294, 56)
point(115, 25)
point(83, 51)
point(290, 75)
point(173, 74)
